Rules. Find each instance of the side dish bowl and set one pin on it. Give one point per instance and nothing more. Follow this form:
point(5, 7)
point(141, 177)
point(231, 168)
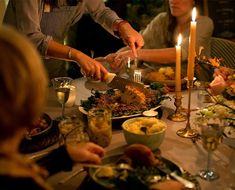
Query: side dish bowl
point(149, 131)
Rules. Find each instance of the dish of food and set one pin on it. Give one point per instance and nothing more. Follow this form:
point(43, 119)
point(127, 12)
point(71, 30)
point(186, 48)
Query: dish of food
point(82, 110)
point(164, 75)
point(130, 103)
point(145, 169)
point(41, 126)
point(144, 126)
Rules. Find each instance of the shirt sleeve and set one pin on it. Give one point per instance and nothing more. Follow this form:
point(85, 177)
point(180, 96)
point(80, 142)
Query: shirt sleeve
point(101, 14)
point(25, 16)
point(57, 160)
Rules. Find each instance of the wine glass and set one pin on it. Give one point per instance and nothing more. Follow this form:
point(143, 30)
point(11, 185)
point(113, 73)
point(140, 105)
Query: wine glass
point(211, 134)
point(62, 89)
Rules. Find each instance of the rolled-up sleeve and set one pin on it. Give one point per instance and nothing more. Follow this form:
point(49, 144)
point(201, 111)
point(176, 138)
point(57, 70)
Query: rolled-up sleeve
point(25, 15)
point(101, 14)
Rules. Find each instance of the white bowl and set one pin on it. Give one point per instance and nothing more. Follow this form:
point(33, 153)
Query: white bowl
point(154, 135)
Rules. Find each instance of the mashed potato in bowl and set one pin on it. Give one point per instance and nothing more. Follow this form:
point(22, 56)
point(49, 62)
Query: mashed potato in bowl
point(144, 125)
point(149, 131)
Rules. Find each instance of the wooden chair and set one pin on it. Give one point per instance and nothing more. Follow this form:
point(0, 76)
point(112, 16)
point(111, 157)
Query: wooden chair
point(225, 49)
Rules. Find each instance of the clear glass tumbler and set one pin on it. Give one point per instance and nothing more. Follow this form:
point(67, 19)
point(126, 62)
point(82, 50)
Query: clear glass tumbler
point(100, 126)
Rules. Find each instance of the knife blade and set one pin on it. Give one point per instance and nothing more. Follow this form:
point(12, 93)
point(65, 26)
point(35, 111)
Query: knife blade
point(113, 81)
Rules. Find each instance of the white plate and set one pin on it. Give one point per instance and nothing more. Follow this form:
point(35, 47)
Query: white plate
point(82, 110)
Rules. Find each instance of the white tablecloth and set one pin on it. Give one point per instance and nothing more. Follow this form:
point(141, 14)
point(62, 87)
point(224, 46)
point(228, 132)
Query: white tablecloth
point(190, 156)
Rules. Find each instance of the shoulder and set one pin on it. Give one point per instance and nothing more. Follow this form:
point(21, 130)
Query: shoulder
point(205, 21)
point(161, 17)
point(158, 21)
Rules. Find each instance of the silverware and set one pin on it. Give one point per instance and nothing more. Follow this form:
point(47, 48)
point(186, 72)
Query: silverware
point(174, 175)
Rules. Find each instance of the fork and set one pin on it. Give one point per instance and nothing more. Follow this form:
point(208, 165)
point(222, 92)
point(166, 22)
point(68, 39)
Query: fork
point(137, 76)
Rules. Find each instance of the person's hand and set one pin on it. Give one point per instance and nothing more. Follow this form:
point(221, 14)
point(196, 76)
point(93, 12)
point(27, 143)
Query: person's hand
point(91, 67)
point(166, 185)
point(118, 60)
point(131, 37)
point(86, 152)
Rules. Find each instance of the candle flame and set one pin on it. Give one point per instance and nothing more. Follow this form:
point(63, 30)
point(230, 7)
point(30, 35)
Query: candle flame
point(179, 40)
point(194, 14)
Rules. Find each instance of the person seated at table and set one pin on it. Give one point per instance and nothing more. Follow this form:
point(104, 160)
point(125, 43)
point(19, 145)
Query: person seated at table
point(46, 22)
point(23, 84)
point(160, 37)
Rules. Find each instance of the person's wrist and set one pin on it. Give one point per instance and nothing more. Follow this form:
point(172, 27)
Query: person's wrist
point(118, 24)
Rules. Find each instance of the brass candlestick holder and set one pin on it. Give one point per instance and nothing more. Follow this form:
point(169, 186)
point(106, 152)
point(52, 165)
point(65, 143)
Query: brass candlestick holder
point(177, 116)
point(188, 132)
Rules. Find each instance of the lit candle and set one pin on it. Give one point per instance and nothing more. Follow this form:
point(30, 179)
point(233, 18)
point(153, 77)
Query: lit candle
point(192, 43)
point(178, 67)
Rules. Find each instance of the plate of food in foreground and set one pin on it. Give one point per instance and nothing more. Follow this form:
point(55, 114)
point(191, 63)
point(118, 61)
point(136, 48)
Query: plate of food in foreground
point(130, 103)
point(139, 168)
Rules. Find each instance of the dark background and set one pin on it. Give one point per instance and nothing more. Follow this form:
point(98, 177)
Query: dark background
point(86, 35)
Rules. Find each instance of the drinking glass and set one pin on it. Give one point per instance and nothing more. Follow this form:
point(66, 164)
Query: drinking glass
point(72, 130)
point(211, 134)
point(62, 89)
point(100, 126)
point(203, 98)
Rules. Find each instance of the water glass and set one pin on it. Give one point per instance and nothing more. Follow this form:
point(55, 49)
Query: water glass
point(100, 126)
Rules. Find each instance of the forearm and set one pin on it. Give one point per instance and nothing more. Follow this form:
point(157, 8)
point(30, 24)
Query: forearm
point(60, 51)
point(57, 160)
point(89, 66)
point(163, 56)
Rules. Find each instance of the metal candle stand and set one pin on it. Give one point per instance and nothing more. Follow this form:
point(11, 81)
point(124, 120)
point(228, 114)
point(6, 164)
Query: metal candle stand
point(188, 132)
point(177, 116)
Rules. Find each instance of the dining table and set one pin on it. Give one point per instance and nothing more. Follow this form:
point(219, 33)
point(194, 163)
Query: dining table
point(184, 152)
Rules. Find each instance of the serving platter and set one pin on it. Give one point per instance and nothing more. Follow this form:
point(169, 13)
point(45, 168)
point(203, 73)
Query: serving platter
point(123, 108)
point(138, 177)
point(158, 108)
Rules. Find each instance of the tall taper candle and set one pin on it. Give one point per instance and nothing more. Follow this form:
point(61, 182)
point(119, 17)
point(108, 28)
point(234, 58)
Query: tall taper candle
point(178, 67)
point(192, 43)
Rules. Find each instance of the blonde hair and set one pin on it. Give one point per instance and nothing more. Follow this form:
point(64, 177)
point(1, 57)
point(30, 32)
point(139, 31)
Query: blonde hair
point(23, 82)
